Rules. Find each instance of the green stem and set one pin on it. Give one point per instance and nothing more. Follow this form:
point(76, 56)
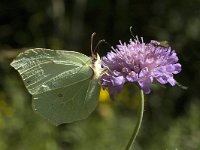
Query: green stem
point(139, 121)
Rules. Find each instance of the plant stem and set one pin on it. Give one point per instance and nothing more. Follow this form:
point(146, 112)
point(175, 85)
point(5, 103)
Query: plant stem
point(139, 121)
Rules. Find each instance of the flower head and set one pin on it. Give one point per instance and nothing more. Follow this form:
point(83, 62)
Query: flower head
point(141, 63)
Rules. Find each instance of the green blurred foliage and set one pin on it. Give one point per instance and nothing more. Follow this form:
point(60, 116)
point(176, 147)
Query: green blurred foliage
point(171, 118)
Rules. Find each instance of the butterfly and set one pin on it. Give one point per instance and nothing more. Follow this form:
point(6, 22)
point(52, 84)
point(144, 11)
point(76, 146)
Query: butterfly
point(64, 84)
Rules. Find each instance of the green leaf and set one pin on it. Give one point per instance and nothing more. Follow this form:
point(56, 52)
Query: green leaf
point(61, 83)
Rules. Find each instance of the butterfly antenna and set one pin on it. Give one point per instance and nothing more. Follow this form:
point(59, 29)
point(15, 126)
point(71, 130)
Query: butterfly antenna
point(108, 44)
point(100, 41)
point(92, 37)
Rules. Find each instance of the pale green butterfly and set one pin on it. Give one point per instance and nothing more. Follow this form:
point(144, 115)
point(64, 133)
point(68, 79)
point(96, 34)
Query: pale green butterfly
point(64, 84)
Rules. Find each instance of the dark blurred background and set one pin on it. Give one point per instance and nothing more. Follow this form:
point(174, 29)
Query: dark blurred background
point(172, 115)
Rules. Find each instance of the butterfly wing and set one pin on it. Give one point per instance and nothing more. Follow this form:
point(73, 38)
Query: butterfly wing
point(55, 77)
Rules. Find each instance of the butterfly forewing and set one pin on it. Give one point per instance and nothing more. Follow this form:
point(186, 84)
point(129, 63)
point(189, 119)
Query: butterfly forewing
point(44, 69)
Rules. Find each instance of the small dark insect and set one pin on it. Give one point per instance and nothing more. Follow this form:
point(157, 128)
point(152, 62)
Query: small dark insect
point(164, 44)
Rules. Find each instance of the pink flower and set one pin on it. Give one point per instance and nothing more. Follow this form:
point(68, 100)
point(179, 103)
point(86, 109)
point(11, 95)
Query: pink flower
point(140, 63)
